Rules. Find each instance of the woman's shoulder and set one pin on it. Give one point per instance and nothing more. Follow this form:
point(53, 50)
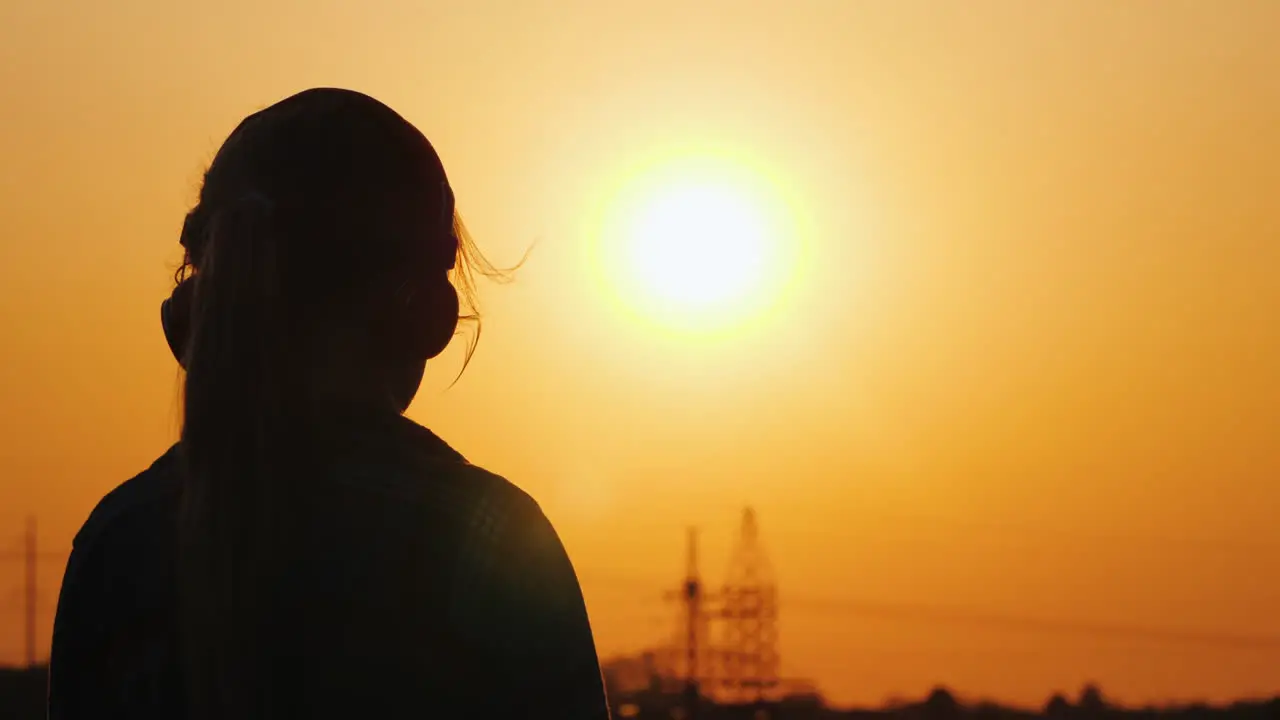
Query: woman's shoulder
point(418, 466)
point(132, 504)
point(110, 637)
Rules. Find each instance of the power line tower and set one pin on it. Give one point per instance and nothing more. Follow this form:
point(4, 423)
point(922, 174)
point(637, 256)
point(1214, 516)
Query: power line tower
point(749, 610)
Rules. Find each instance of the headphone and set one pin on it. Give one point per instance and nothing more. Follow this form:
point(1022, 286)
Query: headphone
point(421, 320)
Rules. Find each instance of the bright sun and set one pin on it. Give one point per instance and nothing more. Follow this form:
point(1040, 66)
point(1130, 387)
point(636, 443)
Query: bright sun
point(697, 246)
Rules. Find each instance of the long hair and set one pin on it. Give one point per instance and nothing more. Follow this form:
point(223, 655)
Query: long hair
point(312, 212)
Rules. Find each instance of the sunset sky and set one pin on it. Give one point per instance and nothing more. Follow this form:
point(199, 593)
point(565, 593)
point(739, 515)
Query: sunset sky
point(1008, 342)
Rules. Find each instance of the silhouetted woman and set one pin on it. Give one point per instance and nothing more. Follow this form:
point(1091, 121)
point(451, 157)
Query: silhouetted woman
point(304, 551)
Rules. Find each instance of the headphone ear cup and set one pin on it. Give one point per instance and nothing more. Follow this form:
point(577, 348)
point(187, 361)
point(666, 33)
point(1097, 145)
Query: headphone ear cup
point(175, 319)
point(441, 324)
point(432, 319)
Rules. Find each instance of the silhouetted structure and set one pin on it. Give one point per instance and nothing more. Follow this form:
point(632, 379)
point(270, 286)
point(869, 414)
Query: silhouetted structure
point(735, 661)
point(27, 558)
point(1091, 700)
point(633, 697)
point(31, 594)
point(750, 613)
point(637, 697)
point(695, 628)
point(1057, 707)
point(941, 705)
point(738, 676)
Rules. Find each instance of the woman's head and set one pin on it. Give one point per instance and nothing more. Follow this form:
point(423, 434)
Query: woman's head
point(317, 273)
point(335, 217)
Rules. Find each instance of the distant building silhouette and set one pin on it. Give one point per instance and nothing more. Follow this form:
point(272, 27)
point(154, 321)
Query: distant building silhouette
point(637, 693)
point(1058, 707)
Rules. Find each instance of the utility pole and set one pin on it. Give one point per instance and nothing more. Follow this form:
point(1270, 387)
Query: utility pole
point(31, 595)
point(690, 651)
point(27, 554)
point(693, 615)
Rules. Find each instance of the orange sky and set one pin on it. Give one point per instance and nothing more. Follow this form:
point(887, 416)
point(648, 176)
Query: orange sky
point(1029, 367)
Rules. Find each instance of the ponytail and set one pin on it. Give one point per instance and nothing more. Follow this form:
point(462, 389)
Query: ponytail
point(234, 437)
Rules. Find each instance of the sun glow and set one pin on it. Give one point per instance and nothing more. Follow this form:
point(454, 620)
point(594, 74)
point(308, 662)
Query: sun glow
point(698, 245)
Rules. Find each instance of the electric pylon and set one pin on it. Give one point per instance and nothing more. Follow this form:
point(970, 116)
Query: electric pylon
point(749, 611)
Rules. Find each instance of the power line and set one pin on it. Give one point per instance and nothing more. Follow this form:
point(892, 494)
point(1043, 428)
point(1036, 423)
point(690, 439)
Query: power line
point(934, 520)
point(966, 616)
point(21, 555)
point(957, 615)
